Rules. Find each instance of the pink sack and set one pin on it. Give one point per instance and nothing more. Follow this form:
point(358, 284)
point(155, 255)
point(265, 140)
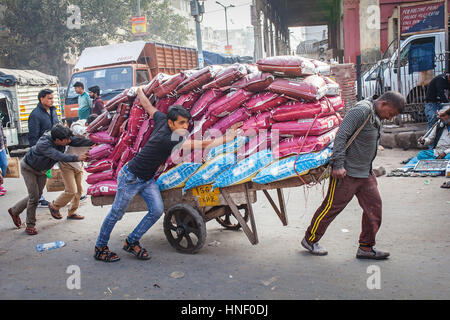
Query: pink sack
point(114, 103)
point(126, 156)
point(264, 101)
point(100, 152)
point(119, 118)
point(200, 106)
point(170, 85)
point(103, 188)
point(126, 140)
point(257, 143)
point(287, 65)
point(295, 89)
point(296, 145)
point(257, 122)
point(100, 123)
point(301, 127)
point(100, 176)
point(254, 82)
point(187, 100)
point(158, 80)
point(318, 83)
point(227, 76)
point(99, 166)
point(196, 80)
point(102, 137)
point(225, 123)
point(301, 110)
point(164, 104)
point(336, 102)
point(144, 134)
point(229, 103)
point(137, 116)
point(202, 125)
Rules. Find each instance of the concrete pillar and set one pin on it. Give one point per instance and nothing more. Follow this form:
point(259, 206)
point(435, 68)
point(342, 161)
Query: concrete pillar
point(256, 22)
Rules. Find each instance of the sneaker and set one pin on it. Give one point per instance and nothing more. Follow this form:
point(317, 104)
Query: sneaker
point(314, 248)
point(372, 254)
point(43, 203)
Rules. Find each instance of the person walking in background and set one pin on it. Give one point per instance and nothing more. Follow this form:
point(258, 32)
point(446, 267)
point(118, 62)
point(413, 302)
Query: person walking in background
point(84, 102)
point(435, 96)
point(37, 161)
point(3, 160)
point(355, 148)
point(97, 103)
point(41, 120)
point(72, 174)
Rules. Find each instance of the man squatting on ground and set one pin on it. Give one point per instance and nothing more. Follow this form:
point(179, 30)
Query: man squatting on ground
point(38, 160)
point(352, 174)
point(137, 176)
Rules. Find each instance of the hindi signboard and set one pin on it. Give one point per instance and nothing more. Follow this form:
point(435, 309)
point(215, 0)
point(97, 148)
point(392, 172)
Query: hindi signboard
point(139, 26)
point(423, 17)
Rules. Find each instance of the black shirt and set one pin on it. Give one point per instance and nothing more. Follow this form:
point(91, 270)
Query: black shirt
point(436, 89)
point(157, 149)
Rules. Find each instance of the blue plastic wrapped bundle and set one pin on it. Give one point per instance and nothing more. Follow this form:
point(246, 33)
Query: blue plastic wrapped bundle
point(228, 147)
point(284, 168)
point(244, 170)
point(210, 170)
point(177, 176)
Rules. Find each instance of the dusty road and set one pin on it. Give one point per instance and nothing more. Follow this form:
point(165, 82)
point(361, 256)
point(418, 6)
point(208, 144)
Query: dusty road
point(415, 229)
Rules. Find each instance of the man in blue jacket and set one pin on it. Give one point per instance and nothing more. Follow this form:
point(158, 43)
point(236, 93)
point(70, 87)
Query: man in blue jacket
point(41, 120)
point(38, 160)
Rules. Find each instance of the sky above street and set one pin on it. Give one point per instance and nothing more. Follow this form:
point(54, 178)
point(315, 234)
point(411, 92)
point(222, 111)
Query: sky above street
point(238, 17)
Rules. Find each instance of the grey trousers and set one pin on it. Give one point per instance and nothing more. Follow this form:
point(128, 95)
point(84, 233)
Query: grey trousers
point(35, 182)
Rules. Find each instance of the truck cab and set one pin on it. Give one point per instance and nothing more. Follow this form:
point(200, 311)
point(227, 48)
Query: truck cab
point(117, 67)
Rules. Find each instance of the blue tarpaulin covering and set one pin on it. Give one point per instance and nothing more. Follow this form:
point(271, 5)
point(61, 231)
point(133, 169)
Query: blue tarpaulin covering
point(217, 58)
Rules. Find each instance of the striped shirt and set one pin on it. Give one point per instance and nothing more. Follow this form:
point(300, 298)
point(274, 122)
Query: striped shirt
point(357, 159)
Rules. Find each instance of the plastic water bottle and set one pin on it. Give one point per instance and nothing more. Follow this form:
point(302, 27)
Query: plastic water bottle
point(50, 246)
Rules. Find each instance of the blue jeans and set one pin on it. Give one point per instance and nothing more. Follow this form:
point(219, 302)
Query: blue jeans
point(430, 112)
point(128, 186)
point(429, 155)
point(3, 161)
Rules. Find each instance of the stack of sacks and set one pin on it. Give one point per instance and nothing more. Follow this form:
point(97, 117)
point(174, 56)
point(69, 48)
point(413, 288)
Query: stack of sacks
point(288, 97)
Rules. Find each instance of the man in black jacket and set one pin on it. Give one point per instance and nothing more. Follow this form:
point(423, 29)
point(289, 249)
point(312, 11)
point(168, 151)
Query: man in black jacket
point(42, 119)
point(38, 160)
point(436, 95)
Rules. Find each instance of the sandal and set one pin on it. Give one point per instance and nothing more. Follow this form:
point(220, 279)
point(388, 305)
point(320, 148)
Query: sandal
point(75, 217)
point(54, 212)
point(446, 185)
point(31, 231)
point(103, 254)
point(142, 254)
point(16, 219)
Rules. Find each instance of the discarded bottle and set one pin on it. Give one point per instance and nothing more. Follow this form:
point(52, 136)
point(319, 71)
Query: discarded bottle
point(50, 246)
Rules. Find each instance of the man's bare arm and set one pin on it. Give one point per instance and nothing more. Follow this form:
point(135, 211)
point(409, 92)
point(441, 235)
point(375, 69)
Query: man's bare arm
point(146, 104)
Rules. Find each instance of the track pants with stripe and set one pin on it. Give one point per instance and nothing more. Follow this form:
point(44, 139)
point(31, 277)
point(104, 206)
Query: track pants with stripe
point(340, 193)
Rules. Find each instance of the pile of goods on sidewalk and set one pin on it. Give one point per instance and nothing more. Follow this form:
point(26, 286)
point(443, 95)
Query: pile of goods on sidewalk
point(286, 108)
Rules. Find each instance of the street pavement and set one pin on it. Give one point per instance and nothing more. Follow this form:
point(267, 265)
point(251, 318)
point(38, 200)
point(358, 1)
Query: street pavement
point(415, 230)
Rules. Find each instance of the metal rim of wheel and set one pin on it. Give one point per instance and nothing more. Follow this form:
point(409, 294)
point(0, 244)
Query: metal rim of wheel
point(184, 228)
point(229, 221)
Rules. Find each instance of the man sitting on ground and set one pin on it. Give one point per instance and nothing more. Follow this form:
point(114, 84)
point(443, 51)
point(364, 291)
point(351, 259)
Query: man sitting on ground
point(439, 139)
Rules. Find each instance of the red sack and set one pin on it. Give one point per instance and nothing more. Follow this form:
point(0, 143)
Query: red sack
point(144, 134)
point(225, 123)
point(164, 104)
point(126, 140)
point(301, 110)
point(199, 108)
point(322, 68)
point(170, 85)
point(202, 125)
point(187, 100)
point(254, 82)
point(257, 122)
point(119, 118)
point(103, 188)
point(99, 166)
point(100, 123)
point(332, 87)
point(301, 127)
point(336, 102)
point(126, 156)
point(264, 101)
point(158, 80)
point(100, 176)
point(100, 152)
point(196, 80)
point(102, 137)
point(319, 83)
point(227, 76)
point(128, 95)
point(137, 116)
point(257, 143)
point(229, 103)
point(295, 90)
point(296, 145)
point(287, 65)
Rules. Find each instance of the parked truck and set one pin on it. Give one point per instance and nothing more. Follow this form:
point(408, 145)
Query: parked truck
point(119, 66)
point(18, 97)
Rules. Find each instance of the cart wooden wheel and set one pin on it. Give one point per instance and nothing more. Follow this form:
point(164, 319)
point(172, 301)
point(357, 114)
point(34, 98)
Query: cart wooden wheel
point(229, 221)
point(184, 228)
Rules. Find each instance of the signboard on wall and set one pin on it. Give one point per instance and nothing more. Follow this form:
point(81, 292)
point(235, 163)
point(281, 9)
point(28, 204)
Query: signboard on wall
point(139, 26)
point(422, 17)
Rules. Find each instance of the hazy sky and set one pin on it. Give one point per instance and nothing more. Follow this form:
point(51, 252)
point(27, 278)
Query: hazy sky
point(238, 17)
